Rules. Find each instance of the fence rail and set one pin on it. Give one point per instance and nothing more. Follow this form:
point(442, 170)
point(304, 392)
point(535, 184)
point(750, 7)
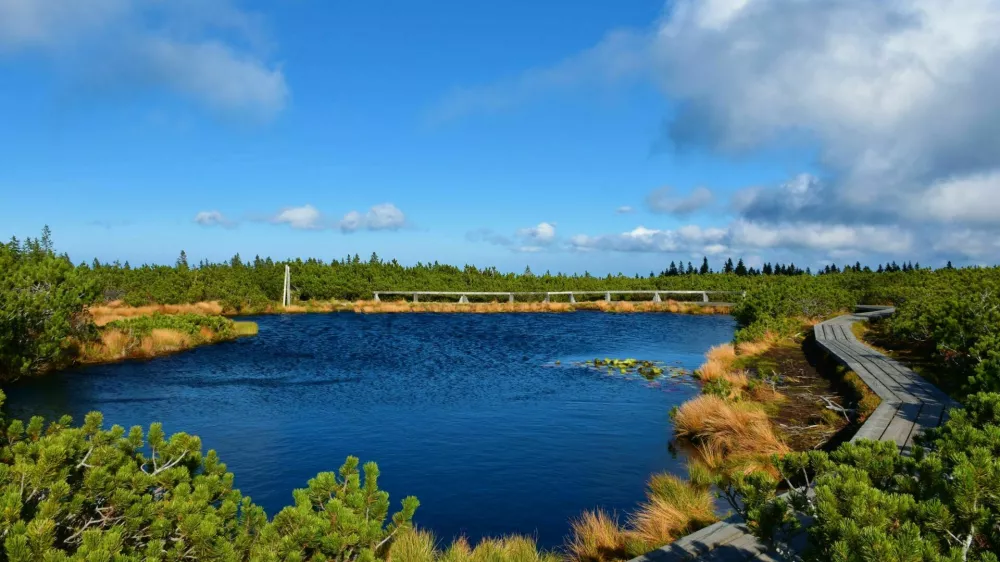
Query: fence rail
point(463, 296)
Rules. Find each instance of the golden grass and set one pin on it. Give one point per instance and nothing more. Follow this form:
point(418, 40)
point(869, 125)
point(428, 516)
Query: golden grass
point(660, 521)
point(116, 345)
point(718, 362)
point(596, 536)
point(115, 310)
point(419, 546)
point(415, 545)
point(400, 306)
point(731, 428)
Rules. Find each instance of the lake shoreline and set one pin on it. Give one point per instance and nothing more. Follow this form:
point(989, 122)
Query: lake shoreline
point(401, 306)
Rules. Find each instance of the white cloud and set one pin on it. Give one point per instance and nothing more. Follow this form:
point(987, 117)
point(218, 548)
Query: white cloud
point(543, 233)
point(896, 99)
point(688, 239)
point(531, 239)
point(744, 237)
point(384, 216)
point(663, 200)
point(208, 51)
point(305, 217)
point(212, 218)
point(624, 210)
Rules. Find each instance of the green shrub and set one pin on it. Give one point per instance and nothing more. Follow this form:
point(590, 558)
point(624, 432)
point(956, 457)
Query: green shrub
point(873, 503)
point(42, 298)
point(190, 324)
point(86, 493)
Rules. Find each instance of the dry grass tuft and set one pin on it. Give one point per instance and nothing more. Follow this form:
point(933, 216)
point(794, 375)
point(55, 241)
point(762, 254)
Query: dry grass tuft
point(415, 545)
point(660, 521)
point(756, 347)
point(718, 362)
point(730, 428)
point(596, 536)
point(419, 546)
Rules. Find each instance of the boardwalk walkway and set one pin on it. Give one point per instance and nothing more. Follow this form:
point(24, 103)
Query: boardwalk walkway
point(909, 405)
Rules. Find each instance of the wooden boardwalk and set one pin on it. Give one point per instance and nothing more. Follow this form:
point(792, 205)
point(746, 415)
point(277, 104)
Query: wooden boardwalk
point(909, 405)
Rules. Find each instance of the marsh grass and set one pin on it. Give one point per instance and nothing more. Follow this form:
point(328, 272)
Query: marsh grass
point(147, 336)
point(596, 536)
point(417, 545)
point(116, 310)
point(401, 306)
point(727, 428)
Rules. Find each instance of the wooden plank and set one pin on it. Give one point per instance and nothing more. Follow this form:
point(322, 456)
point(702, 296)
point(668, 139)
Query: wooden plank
point(697, 543)
point(884, 387)
point(902, 424)
point(874, 427)
point(930, 416)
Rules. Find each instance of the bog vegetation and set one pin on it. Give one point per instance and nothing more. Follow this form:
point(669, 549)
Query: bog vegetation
point(88, 493)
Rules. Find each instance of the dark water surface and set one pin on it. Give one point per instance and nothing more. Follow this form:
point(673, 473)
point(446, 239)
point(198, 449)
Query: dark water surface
point(465, 411)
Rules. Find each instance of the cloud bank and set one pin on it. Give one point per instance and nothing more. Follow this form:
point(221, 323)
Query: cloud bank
point(897, 100)
point(207, 51)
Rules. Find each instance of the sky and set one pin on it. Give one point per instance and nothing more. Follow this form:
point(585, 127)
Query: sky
point(563, 135)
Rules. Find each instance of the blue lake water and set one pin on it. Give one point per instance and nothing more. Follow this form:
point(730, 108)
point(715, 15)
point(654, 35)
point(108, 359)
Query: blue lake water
point(468, 412)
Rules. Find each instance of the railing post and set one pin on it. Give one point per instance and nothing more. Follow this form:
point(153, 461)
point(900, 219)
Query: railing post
point(546, 298)
point(416, 297)
point(572, 299)
point(510, 298)
point(656, 297)
point(704, 297)
point(463, 300)
point(607, 296)
point(377, 299)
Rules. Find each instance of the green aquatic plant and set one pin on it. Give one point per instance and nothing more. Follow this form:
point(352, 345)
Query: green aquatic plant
point(650, 370)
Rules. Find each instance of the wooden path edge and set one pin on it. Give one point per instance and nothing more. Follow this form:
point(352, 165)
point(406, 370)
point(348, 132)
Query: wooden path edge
point(908, 405)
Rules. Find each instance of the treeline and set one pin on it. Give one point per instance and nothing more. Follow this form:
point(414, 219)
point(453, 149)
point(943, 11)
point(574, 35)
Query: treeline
point(240, 284)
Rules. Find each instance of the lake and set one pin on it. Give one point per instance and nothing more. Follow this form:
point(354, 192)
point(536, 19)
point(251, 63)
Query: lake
point(469, 412)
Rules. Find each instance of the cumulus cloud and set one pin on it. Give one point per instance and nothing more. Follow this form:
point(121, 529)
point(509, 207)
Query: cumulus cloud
point(384, 216)
point(543, 233)
point(207, 51)
point(212, 218)
point(745, 237)
point(896, 99)
point(664, 200)
point(305, 217)
point(529, 240)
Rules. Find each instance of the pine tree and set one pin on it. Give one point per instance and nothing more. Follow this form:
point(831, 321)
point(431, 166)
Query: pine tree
point(704, 267)
point(728, 267)
point(182, 261)
point(673, 269)
point(741, 269)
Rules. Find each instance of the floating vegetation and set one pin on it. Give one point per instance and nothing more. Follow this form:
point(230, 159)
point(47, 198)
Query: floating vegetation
point(650, 370)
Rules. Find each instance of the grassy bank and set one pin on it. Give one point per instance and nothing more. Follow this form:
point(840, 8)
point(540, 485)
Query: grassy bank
point(103, 314)
point(124, 333)
point(678, 307)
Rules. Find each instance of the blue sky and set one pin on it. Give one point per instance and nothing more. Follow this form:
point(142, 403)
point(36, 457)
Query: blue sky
point(505, 134)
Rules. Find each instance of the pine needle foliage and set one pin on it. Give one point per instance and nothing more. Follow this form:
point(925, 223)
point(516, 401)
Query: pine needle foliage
point(873, 503)
point(89, 493)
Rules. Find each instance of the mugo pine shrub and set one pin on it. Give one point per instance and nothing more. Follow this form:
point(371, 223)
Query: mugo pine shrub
point(87, 493)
